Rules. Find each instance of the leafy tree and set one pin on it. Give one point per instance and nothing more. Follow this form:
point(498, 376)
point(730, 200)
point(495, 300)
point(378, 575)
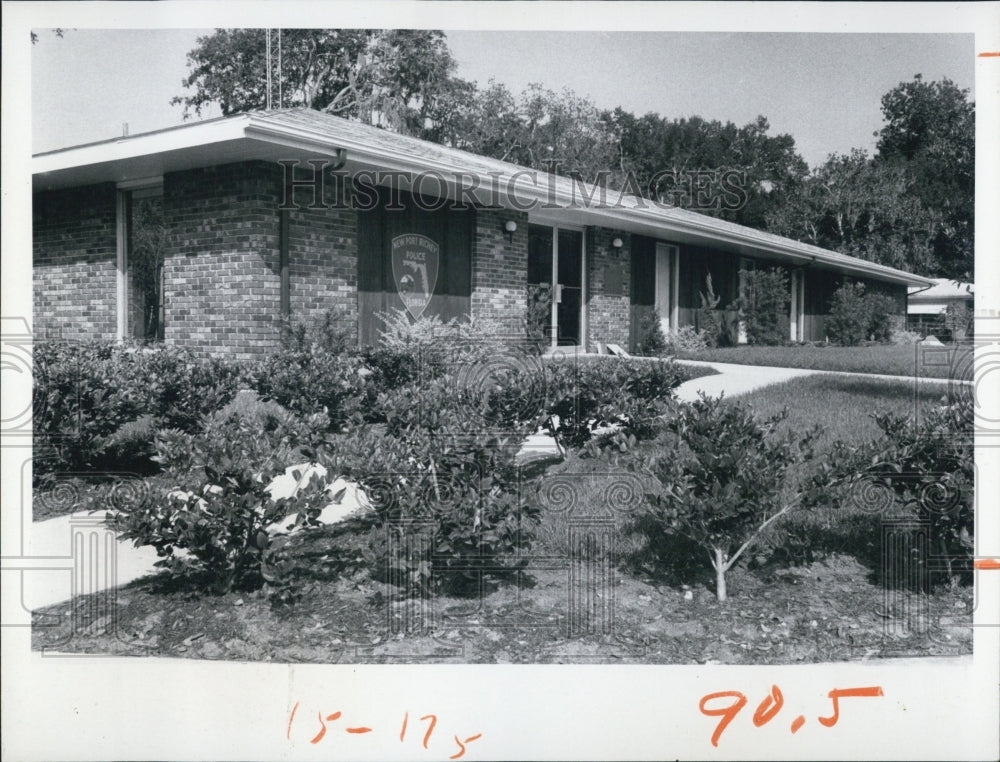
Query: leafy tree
point(721, 476)
point(863, 208)
point(539, 128)
point(385, 77)
point(910, 206)
point(930, 131)
point(764, 305)
point(659, 152)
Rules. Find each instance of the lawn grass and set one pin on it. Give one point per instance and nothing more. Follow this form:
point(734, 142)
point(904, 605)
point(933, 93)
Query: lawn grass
point(948, 361)
point(843, 406)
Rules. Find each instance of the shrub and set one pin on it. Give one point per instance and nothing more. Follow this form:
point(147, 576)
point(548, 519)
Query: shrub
point(213, 501)
point(687, 339)
point(880, 308)
point(929, 467)
point(317, 368)
point(443, 466)
point(856, 316)
point(958, 320)
point(905, 337)
point(721, 475)
point(711, 320)
point(847, 322)
point(538, 316)
point(764, 305)
point(98, 404)
point(628, 395)
point(651, 341)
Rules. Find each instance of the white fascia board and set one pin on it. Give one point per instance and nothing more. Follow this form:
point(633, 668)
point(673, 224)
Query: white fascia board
point(170, 139)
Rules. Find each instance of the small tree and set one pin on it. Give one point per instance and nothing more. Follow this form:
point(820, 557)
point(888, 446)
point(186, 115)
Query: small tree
point(651, 341)
point(847, 322)
point(764, 305)
point(721, 479)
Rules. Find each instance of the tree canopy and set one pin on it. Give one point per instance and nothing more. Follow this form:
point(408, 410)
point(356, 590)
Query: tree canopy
point(385, 77)
point(910, 205)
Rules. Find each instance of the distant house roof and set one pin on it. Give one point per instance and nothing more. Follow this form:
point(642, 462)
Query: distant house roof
point(303, 133)
point(943, 289)
point(935, 300)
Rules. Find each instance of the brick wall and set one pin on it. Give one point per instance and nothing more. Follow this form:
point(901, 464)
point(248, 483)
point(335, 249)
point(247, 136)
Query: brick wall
point(608, 273)
point(74, 258)
point(500, 270)
point(222, 278)
point(323, 261)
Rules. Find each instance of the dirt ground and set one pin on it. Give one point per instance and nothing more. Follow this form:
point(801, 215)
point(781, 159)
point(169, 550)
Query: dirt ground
point(830, 610)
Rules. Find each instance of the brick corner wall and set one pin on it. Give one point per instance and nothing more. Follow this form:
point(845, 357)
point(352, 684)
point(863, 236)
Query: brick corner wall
point(75, 263)
point(608, 282)
point(222, 280)
point(500, 271)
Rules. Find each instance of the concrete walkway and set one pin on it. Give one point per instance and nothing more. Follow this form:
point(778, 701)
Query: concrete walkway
point(734, 380)
point(54, 539)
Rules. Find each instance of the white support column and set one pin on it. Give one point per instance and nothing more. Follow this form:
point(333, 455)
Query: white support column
point(121, 275)
point(675, 282)
point(664, 286)
point(793, 313)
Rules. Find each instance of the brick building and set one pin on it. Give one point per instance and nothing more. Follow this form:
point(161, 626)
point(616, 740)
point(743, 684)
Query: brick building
point(206, 234)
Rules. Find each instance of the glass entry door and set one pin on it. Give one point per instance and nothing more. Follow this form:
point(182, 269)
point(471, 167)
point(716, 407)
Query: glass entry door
point(569, 287)
point(555, 312)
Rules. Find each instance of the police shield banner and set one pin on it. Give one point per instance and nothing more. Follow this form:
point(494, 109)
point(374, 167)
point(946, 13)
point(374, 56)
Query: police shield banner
point(415, 261)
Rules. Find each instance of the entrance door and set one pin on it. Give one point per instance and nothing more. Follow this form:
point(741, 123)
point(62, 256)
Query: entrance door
point(569, 287)
point(555, 256)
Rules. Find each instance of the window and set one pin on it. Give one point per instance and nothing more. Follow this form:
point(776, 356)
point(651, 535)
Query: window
point(142, 245)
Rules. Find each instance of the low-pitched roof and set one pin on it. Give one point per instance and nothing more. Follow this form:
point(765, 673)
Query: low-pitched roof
point(944, 290)
point(303, 133)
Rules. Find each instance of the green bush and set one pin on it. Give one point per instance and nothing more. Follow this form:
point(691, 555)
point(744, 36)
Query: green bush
point(687, 339)
point(928, 465)
point(722, 475)
point(98, 404)
point(711, 320)
point(443, 465)
point(317, 369)
point(764, 305)
point(538, 316)
point(651, 340)
point(880, 309)
point(856, 316)
point(212, 501)
point(629, 395)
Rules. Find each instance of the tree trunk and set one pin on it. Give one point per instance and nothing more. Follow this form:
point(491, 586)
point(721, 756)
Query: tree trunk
point(720, 575)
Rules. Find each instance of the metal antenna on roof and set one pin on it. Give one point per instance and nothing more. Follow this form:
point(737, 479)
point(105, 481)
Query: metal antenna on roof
point(267, 59)
point(280, 99)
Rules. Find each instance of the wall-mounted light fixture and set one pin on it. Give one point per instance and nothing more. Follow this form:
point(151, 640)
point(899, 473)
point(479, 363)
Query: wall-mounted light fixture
point(509, 228)
point(616, 244)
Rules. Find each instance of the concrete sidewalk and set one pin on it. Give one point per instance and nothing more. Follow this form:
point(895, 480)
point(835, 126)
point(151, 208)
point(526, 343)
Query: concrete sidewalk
point(734, 380)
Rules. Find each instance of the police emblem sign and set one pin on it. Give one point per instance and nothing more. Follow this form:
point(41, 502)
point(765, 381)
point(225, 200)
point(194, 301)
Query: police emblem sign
point(415, 261)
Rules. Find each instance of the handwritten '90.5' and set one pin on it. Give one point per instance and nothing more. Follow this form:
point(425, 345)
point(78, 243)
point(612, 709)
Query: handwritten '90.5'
point(771, 705)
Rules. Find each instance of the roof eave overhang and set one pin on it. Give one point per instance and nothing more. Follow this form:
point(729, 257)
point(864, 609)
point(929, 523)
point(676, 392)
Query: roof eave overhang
point(251, 129)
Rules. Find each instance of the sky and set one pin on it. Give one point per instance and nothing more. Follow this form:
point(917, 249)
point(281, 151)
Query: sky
point(823, 89)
